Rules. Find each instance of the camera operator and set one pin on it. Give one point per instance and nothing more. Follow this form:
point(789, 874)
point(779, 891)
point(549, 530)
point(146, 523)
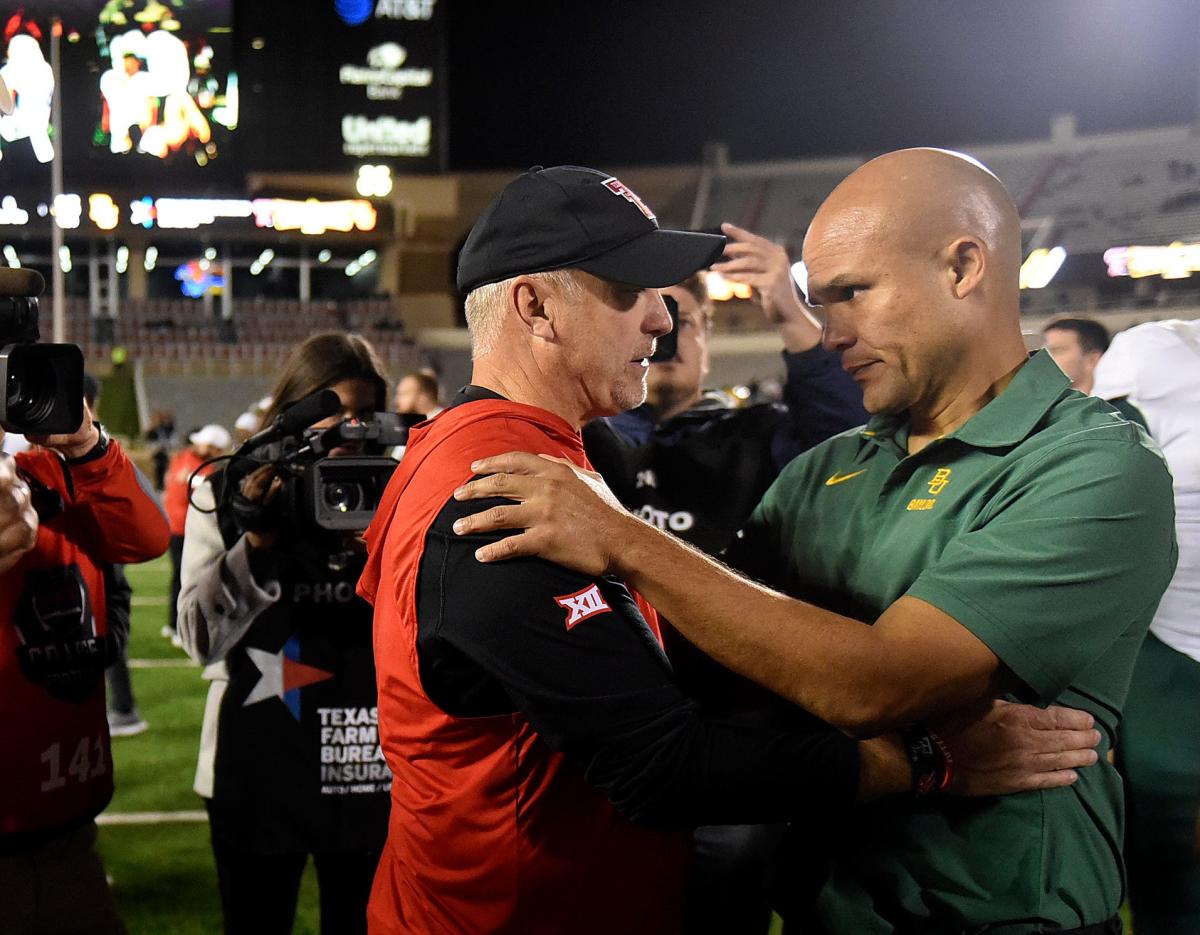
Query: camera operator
point(289, 759)
point(92, 509)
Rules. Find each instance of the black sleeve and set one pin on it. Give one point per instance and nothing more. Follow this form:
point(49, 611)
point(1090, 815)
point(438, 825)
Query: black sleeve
point(822, 400)
point(117, 600)
point(575, 656)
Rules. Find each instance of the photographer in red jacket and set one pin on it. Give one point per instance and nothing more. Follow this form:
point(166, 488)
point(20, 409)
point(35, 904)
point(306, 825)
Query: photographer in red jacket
point(93, 507)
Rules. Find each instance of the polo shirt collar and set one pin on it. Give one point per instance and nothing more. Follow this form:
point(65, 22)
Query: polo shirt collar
point(1003, 422)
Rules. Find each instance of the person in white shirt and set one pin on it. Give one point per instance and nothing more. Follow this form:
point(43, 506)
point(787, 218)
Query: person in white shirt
point(1156, 366)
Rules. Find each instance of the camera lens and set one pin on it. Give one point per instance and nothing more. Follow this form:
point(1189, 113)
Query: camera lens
point(30, 396)
point(343, 497)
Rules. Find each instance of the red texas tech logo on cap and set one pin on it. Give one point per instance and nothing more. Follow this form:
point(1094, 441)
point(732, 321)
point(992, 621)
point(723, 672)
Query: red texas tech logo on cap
point(583, 604)
point(617, 187)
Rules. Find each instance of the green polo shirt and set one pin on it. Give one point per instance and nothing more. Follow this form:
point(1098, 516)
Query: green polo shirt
point(1045, 526)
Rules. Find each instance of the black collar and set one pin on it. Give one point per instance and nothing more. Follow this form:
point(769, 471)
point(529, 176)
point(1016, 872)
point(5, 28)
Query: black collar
point(473, 394)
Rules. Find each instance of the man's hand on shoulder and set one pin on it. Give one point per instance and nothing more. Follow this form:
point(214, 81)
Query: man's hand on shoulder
point(569, 516)
point(767, 269)
point(18, 521)
point(75, 445)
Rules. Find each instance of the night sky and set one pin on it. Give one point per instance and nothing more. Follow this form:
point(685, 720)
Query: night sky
point(620, 83)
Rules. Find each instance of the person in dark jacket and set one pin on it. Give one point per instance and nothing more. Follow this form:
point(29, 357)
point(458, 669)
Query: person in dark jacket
point(693, 465)
point(687, 461)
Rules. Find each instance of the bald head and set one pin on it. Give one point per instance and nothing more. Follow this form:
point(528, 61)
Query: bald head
point(916, 259)
point(920, 200)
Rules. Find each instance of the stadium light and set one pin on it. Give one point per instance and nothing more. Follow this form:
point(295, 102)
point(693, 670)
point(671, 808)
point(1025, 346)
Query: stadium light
point(374, 181)
point(67, 210)
point(367, 258)
point(12, 213)
point(265, 257)
point(210, 253)
point(10, 255)
point(103, 211)
point(1041, 266)
point(122, 259)
point(721, 289)
point(353, 268)
point(64, 258)
point(314, 217)
point(324, 256)
point(151, 260)
point(1176, 261)
point(255, 268)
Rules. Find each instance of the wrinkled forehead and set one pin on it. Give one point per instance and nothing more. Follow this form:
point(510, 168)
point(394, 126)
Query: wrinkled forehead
point(839, 231)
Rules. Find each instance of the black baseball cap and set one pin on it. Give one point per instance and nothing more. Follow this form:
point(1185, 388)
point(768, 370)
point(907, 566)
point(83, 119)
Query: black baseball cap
point(571, 216)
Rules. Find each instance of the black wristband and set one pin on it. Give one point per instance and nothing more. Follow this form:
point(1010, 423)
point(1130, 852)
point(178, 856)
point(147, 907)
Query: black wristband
point(97, 450)
point(932, 765)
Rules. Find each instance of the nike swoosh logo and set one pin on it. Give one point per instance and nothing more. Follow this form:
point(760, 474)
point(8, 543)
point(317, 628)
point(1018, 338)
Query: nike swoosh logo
point(838, 478)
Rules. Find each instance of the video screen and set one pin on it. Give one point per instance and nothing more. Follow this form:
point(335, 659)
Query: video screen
point(143, 81)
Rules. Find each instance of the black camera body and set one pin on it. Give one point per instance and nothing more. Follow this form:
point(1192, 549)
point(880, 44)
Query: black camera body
point(339, 493)
point(41, 385)
point(322, 493)
point(667, 346)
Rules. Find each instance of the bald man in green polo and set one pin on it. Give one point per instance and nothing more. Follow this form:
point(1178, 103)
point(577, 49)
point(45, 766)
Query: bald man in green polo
point(1002, 534)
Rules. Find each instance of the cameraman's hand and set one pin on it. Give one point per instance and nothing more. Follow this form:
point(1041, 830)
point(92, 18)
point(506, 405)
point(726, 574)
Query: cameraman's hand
point(766, 268)
point(1000, 747)
point(18, 521)
point(75, 445)
point(261, 485)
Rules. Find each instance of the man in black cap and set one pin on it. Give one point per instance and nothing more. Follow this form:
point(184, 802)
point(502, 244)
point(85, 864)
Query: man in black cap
point(527, 712)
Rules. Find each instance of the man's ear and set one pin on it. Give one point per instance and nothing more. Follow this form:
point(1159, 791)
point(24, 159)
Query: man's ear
point(966, 264)
point(528, 297)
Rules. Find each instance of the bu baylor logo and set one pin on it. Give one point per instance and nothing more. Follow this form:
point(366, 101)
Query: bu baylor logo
point(583, 604)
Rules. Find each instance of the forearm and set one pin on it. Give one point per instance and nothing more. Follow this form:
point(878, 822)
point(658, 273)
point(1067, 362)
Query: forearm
point(822, 400)
point(800, 332)
point(853, 676)
point(126, 523)
point(681, 771)
point(219, 596)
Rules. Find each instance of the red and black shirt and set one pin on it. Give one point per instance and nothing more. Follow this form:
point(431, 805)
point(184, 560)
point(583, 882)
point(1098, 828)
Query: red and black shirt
point(544, 758)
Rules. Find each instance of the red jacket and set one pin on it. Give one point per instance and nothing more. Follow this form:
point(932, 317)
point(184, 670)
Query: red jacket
point(54, 746)
point(176, 490)
point(490, 831)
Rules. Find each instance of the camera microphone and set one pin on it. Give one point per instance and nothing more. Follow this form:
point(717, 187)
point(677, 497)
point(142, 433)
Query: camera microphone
point(310, 409)
point(17, 283)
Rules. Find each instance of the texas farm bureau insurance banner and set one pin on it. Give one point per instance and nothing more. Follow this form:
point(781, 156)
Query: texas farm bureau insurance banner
point(390, 83)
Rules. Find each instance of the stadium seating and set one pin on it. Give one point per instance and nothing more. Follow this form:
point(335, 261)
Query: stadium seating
point(181, 331)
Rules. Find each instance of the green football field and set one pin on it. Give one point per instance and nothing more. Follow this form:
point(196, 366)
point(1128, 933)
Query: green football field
point(161, 867)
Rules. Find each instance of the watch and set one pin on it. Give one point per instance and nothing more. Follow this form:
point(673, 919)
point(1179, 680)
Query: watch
point(97, 451)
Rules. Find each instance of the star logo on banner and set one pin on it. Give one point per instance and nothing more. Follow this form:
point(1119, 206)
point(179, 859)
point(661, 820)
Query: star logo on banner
point(282, 675)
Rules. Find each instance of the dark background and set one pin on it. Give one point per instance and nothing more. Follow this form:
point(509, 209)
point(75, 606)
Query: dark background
point(625, 83)
point(649, 82)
